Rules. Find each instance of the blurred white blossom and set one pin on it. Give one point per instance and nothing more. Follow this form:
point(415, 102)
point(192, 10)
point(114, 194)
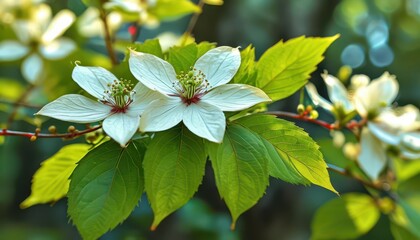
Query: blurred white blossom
point(89, 23)
point(39, 38)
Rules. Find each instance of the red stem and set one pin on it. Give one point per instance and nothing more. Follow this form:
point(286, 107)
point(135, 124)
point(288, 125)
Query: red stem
point(305, 118)
point(5, 132)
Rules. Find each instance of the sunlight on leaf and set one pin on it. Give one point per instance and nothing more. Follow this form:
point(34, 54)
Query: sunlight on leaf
point(51, 181)
point(293, 155)
point(240, 168)
point(348, 217)
point(174, 172)
point(105, 187)
point(286, 66)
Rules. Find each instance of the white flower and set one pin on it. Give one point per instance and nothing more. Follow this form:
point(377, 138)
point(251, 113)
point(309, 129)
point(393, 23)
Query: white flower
point(372, 99)
point(400, 128)
point(198, 97)
point(337, 92)
point(39, 37)
point(89, 23)
point(138, 9)
point(119, 104)
point(372, 157)
point(12, 9)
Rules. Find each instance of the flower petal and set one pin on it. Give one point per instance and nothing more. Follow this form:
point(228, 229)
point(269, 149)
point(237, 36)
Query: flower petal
point(162, 114)
point(75, 108)
point(337, 92)
point(383, 133)
point(93, 80)
point(121, 127)
point(57, 49)
point(410, 145)
point(12, 50)
point(153, 72)
point(219, 65)
point(143, 97)
point(406, 118)
point(372, 157)
point(316, 98)
point(379, 94)
point(59, 24)
point(234, 97)
point(32, 68)
point(205, 121)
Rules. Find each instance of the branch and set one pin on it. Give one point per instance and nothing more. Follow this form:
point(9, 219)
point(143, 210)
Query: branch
point(17, 104)
point(305, 118)
point(34, 136)
point(21, 104)
point(108, 39)
point(192, 23)
point(345, 172)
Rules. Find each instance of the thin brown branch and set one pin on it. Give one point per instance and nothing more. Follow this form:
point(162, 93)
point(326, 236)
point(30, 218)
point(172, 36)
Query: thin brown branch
point(305, 118)
point(192, 23)
point(21, 99)
point(108, 38)
point(344, 172)
point(20, 104)
point(30, 135)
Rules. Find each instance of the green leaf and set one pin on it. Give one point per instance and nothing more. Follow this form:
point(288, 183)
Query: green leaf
point(412, 216)
point(246, 73)
point(286, 67)
point(204, 47)
point(348, 217)
point(294, 156)
point(105, 187)
point(174, 167)
point(51, 181)
point(172, 9)
point(14, 89)
point(151, 46)
point(92, 3)
point(241, 169)
point(183, 58)
point(401, 233)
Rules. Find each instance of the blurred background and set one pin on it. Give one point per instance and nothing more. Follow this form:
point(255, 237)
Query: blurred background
point(376, 36)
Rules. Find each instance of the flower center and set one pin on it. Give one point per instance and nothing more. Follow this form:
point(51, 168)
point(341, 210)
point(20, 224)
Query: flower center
point(191, 85)
point(119, 96)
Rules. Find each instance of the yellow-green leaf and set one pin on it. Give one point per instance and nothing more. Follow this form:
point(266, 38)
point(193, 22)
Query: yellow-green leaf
point(51, 181)
point(285, 67)
point(348, 217)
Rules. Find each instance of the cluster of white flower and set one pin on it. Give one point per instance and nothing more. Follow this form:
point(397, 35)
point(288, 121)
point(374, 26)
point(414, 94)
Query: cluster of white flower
point(161, 99)
point(386, 126)
point(39, 37)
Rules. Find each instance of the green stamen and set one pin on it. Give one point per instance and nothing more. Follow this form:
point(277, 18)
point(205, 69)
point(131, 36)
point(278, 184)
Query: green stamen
point(191, 83)
point(120, 93)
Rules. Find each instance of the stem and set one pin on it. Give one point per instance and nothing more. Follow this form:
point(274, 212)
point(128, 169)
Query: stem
point(108, 38)
point(17, 104)
point(344, 172)
point(303, 118)
point(192, 23)
point(20, 104)
point(5, 132)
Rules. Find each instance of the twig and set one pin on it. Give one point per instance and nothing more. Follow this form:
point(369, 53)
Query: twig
point(305, 118)
point(108, 39)
point(192, 23)
point(17, 104)
point(6, 132)
point(344, 172)
point(20, 104)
